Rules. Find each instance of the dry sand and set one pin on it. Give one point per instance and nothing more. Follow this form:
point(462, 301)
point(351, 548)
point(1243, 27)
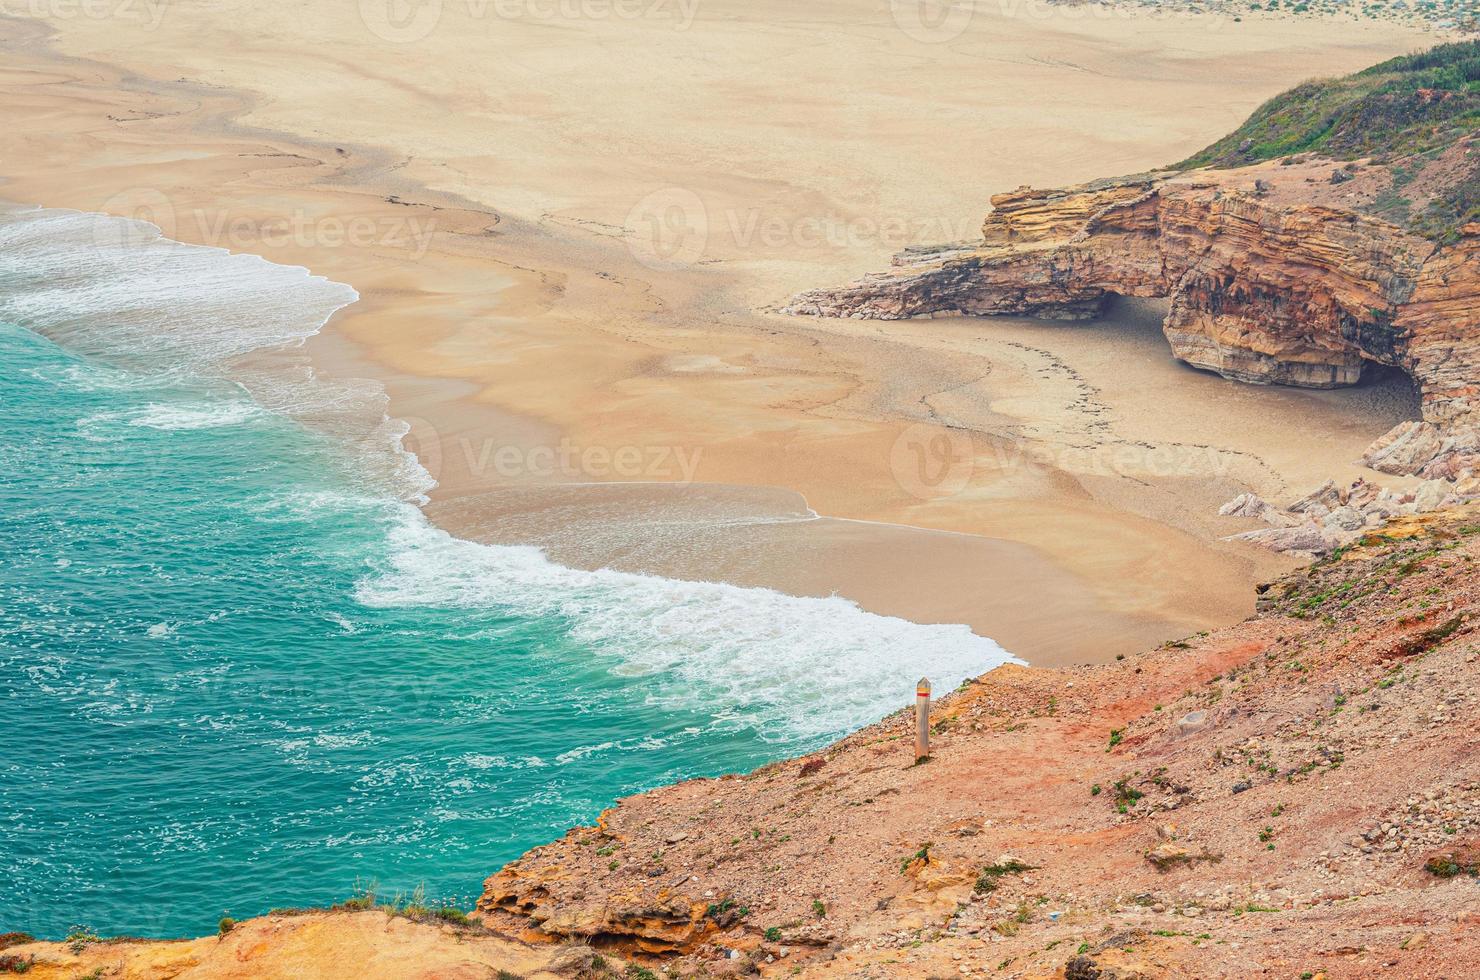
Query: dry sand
point(567, 228)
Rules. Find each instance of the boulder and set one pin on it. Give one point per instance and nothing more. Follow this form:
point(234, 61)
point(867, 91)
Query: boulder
point(1252, 505)
point(1346, 518)
point(1191, 723)
point(1311, 538)
point(1430, 495)
point(1318, 502)
point(1167, 855)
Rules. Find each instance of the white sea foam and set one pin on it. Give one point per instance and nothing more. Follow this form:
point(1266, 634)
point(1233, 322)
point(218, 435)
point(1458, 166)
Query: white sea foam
point(479, 760)
point(172, 418)
point(790, 667)
point(115, 290)
point(176, 417)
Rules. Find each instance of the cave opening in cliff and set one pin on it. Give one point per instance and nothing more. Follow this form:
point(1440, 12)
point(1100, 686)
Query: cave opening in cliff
point(1392, 390)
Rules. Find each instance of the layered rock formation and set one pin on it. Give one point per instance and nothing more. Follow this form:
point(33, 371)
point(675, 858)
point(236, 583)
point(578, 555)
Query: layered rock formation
point(327, 944)
point(1264, 288)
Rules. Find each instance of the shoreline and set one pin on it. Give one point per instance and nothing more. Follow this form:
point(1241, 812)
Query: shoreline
point(671, 679)
point(1050, 485)
point(1043, 850)
point(615, 358)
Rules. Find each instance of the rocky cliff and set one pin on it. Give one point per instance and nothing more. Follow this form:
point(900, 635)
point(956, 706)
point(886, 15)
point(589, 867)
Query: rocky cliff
point(1265, 287)
point(1295, 794)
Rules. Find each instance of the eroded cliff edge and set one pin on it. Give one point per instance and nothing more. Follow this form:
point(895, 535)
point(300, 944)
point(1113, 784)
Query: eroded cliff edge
point(1264, 288)
point(1298, 268)
point(1296, 794)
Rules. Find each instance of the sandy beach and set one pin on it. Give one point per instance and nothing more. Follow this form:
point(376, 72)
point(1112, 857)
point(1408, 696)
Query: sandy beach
point(567, 281)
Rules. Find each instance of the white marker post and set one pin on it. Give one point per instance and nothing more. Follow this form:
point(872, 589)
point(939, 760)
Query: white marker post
point(922, 720)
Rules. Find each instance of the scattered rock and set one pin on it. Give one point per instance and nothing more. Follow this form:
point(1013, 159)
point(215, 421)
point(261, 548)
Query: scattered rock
point(1167, 854)
point(1346, 518)
point(1191, 723)
point(1081, 968)
point(1326, 496)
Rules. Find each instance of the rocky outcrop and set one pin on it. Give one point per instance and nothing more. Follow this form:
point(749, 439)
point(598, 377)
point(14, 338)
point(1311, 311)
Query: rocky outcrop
point(1033, 259)
point(1332, 517)
point(1263, 290)
point(294, 944)
point(655, 920)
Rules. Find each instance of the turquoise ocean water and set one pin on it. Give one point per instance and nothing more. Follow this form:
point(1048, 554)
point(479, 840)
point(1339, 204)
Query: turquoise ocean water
point(239, 670)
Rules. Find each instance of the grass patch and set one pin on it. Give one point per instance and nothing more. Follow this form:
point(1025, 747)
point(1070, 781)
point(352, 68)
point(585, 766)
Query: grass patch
point(1428, 639)
point(81, 937)
point(992, 874)
point(1451, 866)
point(1409, 104)
point(415, 907)
point(1414, 104)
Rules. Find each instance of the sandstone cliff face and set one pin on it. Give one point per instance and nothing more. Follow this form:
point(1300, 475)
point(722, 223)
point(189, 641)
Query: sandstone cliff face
point(325, 944)
point(1263, 290)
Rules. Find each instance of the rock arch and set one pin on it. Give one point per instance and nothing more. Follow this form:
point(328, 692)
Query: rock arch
point(1260, 292)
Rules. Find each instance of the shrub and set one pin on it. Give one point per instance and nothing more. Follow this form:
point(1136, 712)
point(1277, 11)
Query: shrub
point(16, 964)
point(991, 874)
point(922, 855)
point(1452, 865)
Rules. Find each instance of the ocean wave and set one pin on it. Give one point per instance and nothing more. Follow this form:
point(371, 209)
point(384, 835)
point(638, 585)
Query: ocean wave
point(146, 307)
point(148, 310)
point(787, 667)
point(184, 418)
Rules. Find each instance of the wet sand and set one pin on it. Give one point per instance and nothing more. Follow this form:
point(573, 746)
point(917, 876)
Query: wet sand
point(566, 234)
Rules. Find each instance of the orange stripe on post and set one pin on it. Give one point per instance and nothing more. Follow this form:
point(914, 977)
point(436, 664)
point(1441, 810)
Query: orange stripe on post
point(922, 719)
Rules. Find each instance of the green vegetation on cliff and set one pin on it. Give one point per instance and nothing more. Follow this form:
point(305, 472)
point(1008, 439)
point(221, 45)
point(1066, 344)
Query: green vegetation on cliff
point(1411, 104)
point(1409, 115)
